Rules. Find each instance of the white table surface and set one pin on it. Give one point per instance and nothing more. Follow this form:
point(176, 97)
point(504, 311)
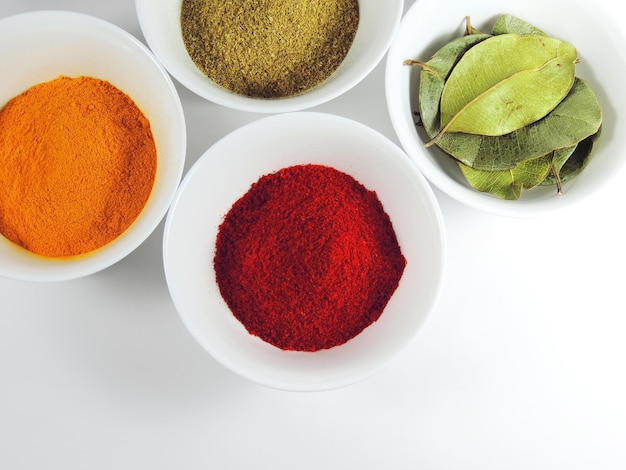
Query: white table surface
point(521, 365)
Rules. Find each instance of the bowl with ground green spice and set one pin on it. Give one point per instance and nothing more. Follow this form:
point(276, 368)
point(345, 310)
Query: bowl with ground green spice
point(269, 55)
point(539, 132)
point(92, 145)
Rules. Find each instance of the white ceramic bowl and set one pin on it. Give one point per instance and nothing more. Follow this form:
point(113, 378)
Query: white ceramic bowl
point(592, 28)
point(40, 46)
point(224, 174)
point(379, 20)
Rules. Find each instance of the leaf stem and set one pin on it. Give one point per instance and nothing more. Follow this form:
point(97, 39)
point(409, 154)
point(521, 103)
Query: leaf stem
point(424, 65)
point(557, 178)
point(436, 138)
point(469, 29)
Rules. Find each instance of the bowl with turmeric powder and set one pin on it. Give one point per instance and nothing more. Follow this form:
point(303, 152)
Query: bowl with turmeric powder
point(92, 145)
point(304, 251)
point(269, 56)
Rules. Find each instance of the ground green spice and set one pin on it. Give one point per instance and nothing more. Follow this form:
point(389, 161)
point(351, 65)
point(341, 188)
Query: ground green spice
point(268, 48)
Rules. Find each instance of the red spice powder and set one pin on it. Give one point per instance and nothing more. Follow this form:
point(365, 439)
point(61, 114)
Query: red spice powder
point(307, 258)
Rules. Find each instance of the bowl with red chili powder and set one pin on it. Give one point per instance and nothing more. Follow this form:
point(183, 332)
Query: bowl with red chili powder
point(269, 56)
point(304, 251)
point(92, 145)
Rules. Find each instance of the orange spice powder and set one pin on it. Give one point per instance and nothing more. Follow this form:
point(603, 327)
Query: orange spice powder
point(77, 165)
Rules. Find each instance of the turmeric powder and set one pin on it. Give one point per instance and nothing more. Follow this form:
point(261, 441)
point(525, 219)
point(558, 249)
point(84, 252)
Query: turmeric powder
point(77, 165)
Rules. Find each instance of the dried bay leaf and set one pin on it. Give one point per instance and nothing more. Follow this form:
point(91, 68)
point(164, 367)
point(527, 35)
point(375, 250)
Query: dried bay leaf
point(565, 169)
point(527, 76)
point(552, 169)
point(560, 158)
point(442, 62)
point(509, 24)
point(578, 116)
point(433, 76)
point(548, 151)
point(509, 184)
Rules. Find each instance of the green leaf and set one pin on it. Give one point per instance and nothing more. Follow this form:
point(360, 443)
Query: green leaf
point(509, 24)
point(505, 83)
point(548, 152)
point(578, 116)
point(564, 169)
point(558, 161)
point(441, 63)
point(509, 184)
point(434, 74)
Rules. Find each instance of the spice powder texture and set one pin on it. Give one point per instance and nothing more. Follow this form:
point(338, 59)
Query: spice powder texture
point(307, 258)
point(77, 165)
point(268, 48)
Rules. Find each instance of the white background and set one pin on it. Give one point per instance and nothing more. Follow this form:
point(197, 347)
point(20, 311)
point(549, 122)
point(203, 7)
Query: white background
point(521, 365)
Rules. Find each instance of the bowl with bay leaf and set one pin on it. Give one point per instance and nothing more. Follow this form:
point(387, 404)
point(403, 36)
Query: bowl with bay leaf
point(509, 111)
point(269, 56)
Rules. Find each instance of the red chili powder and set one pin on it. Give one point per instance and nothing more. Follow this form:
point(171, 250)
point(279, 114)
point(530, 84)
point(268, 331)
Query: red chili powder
point(307, 258)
